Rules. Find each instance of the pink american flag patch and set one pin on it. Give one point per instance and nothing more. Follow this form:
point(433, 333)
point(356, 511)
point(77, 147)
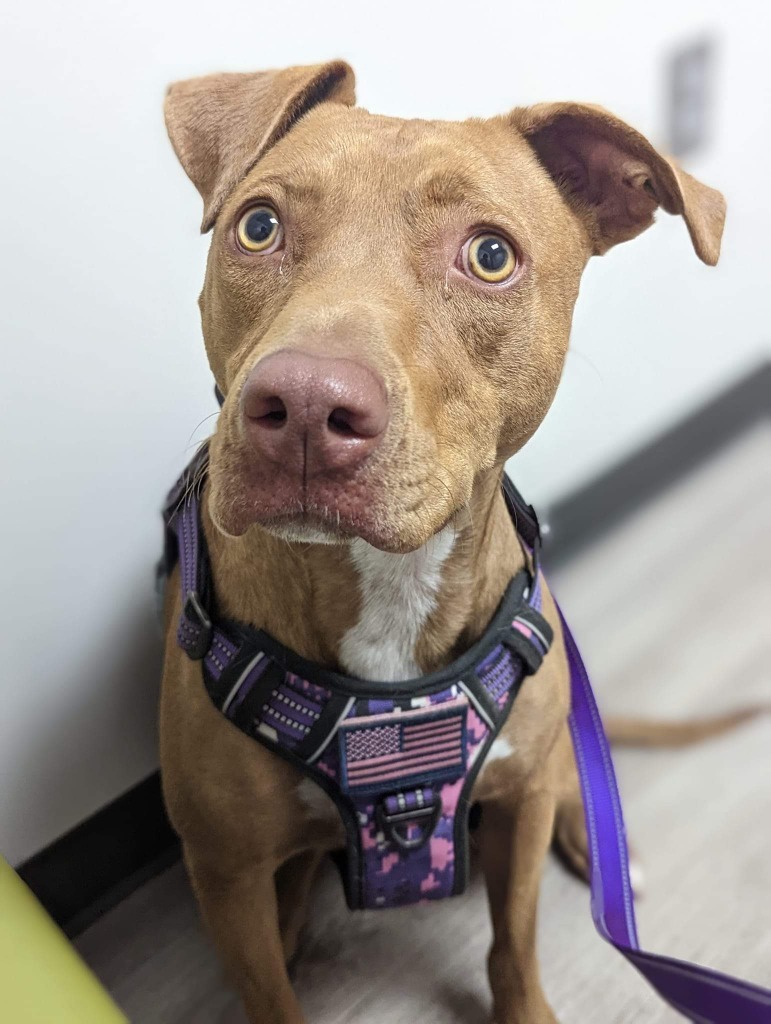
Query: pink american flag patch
point(377, 754)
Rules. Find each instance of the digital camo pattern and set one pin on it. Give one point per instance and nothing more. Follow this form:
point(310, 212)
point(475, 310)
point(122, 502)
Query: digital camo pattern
point(434, 771)
point(412, 754)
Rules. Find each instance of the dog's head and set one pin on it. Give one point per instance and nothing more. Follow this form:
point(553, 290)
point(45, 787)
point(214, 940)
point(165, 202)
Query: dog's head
point(387, 303)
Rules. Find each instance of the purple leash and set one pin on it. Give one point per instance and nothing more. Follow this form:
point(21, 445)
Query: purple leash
point(699, 993)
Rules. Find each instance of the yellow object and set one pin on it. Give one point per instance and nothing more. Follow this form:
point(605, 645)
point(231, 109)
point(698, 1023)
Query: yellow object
point(42, 978)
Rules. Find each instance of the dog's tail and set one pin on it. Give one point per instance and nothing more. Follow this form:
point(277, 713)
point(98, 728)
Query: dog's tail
point(639, 732)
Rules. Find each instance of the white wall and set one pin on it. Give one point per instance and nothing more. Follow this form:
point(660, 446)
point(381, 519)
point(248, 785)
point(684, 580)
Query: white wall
point(104, 377)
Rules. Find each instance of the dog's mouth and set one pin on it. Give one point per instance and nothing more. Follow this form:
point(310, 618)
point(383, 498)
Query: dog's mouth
point(325, 510)
point(332, 527)
point(307, 524)
point(318, 513)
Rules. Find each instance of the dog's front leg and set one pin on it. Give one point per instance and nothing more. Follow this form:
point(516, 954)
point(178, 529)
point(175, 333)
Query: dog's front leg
point(513, 843)
point(241, 912)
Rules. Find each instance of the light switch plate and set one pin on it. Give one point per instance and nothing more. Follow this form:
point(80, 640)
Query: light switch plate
point(690, 74)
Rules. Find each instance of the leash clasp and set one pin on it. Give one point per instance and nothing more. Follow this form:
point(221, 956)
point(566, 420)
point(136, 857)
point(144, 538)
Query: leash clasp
point(408, 819)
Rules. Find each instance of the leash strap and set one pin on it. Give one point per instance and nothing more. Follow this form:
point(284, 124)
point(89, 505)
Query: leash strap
point(700, 994)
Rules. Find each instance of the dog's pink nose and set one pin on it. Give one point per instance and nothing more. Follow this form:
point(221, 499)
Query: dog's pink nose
point(313, 414)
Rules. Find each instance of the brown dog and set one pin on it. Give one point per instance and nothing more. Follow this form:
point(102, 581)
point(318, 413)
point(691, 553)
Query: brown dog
point(386, 309)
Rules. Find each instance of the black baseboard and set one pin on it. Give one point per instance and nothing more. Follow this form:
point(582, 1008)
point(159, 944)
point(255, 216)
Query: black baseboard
point(106, 857)
point(102, 860)
point(605, 501)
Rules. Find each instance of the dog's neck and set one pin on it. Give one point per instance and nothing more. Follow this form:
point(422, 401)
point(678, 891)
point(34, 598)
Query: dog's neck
point(398, 595)
point(366, 612)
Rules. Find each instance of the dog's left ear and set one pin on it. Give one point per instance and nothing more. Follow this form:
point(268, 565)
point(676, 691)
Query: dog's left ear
point(615, 179)
point(221, 125)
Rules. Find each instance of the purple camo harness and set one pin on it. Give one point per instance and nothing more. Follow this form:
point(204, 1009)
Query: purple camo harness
point(400, 759)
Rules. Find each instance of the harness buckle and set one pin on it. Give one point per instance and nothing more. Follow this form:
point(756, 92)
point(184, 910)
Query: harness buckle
point(530, 638)
point(394, 817)
point(196, 638)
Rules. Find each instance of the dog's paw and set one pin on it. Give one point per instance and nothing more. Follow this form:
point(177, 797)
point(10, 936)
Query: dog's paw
point(637, 877)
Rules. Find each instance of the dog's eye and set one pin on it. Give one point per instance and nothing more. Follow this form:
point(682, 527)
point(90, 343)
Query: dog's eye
point(489, 257)
point(259, 230)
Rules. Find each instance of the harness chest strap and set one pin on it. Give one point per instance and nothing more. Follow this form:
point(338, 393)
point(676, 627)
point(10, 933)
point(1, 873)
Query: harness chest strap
point(400, 760)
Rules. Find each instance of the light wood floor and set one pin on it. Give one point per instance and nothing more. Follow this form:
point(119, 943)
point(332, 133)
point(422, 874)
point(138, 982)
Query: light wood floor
point(674, 614)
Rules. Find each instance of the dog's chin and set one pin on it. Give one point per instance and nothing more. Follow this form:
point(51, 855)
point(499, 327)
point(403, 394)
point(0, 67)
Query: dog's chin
point(300, 533)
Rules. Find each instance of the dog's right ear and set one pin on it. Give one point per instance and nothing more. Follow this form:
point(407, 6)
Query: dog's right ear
point(221, 125)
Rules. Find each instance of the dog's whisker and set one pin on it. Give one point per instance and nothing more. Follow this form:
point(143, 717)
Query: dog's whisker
point(197, 444)
point(198, 427)
point(573, 351)
point(195, 482)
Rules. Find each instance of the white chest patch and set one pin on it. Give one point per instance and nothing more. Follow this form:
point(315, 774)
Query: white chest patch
point(499, 751)
point(398, 593)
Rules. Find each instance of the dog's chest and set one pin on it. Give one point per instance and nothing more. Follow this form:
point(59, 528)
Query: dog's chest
point(398, 594)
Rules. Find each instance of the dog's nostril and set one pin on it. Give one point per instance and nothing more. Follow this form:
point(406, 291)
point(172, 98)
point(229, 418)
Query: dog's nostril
point(341, 422)
point(270, 412)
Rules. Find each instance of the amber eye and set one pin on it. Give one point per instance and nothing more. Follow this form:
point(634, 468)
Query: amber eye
point(259, 230)
point(489, 257)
